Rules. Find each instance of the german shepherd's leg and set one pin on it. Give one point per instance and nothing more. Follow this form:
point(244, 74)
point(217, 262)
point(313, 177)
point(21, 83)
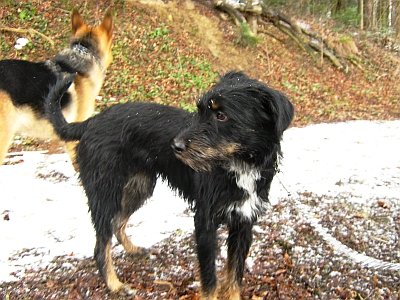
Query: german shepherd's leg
point(206, 240)
point(239, 242)
point(85, 105)
point(71, 150)
point(86, 101)
point(138, 189)
point(7, 124)
point(6, 136)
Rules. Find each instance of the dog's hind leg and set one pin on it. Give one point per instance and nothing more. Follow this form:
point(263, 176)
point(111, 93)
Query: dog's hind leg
point(138, 189)
point(7, 124)
point(105, 265)
point(102, 199)
point(239, 242)
point(119, 225)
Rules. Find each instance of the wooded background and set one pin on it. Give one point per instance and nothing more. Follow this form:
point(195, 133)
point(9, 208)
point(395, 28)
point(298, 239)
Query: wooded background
point(373, 14)
point(368, 14)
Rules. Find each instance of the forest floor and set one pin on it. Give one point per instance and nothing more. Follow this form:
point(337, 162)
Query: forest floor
point(48, 238)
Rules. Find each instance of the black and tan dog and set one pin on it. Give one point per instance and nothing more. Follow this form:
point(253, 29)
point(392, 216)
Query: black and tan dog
point(221, 159)
point(24, 85)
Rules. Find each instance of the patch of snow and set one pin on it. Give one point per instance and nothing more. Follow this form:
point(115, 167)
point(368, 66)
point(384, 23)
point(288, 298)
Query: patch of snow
point(358, 158)
point(47, 219)
point(44, 213)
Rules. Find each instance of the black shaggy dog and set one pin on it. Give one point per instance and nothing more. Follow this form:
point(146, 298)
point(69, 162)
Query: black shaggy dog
point(221, 159)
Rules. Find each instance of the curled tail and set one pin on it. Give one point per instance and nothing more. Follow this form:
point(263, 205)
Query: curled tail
point(66, 131)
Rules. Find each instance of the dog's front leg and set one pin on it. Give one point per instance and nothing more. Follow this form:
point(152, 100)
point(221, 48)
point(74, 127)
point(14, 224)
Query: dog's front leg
point(239, 242)
point(206, 239)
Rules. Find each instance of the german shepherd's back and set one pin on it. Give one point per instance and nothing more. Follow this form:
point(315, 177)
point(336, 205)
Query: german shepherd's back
point(24, 85)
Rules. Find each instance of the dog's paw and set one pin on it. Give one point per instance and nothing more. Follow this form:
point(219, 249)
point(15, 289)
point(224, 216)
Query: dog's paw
point(127, 291)
point(123, 290)
point(138, 252)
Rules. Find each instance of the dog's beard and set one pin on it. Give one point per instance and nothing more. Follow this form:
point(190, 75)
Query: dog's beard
point(203, 157)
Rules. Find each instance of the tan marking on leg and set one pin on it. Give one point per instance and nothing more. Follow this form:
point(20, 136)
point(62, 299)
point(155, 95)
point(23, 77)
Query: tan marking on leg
point(119, 225)
point(230, 288)
point(136, 191)
point(7, 124)
point(112, 280)
point(210, 296)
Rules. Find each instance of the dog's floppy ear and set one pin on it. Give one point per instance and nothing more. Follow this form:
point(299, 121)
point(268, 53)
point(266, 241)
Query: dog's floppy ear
point(76, 21)
point(278, 107)
point(286, 113)
point(283, 110)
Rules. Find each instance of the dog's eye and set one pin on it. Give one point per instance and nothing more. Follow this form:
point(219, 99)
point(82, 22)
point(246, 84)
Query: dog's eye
point(221, 116)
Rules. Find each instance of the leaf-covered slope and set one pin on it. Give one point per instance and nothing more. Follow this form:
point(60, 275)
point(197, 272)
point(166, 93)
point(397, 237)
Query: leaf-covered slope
point(171, 52)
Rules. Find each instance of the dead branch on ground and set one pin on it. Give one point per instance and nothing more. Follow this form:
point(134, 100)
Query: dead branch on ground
point(29, 31)
point(336, 51)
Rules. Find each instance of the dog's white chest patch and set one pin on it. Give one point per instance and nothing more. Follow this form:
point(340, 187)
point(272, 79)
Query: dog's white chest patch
point(246, 178)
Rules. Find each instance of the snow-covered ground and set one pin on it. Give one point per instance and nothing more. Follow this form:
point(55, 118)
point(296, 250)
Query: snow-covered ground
point(44, 213)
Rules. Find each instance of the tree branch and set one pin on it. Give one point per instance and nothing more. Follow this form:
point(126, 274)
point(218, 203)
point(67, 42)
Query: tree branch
point(234, 13)
point(29, 31)
point(307, 40)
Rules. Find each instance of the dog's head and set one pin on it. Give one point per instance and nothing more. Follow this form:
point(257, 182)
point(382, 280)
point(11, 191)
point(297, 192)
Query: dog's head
point(239, 118)
point(96, 38)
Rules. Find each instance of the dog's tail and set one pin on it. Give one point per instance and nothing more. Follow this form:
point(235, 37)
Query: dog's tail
point(66, 131)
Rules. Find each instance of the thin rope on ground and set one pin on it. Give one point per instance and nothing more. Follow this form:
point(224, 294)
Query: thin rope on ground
point(339, 247)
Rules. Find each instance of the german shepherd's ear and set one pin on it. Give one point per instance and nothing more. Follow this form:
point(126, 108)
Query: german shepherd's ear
point(76, 21)
point(108, 24)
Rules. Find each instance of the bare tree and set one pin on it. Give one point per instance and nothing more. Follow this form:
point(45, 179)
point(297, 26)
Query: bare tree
point(368, 14)
point(396, 18)
point(339, 5)
point(361, 13)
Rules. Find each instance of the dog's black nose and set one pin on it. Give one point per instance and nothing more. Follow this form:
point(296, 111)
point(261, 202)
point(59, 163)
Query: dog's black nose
point(178, 145)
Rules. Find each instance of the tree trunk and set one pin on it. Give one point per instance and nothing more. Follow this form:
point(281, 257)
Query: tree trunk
point(383, 13)
point(368, 14)
point(361, 12)
point(374, 16)
point(397, 19)
point(339, 5)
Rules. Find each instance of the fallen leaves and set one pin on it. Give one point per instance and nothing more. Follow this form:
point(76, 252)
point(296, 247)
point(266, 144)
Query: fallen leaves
point(383, 203)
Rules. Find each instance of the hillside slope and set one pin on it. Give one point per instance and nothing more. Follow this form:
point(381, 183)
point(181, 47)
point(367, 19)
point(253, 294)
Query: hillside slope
point(171, 52)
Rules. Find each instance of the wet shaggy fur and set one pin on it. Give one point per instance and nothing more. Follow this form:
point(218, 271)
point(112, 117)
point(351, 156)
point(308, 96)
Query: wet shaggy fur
point(24, 85)
point(221, 159)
